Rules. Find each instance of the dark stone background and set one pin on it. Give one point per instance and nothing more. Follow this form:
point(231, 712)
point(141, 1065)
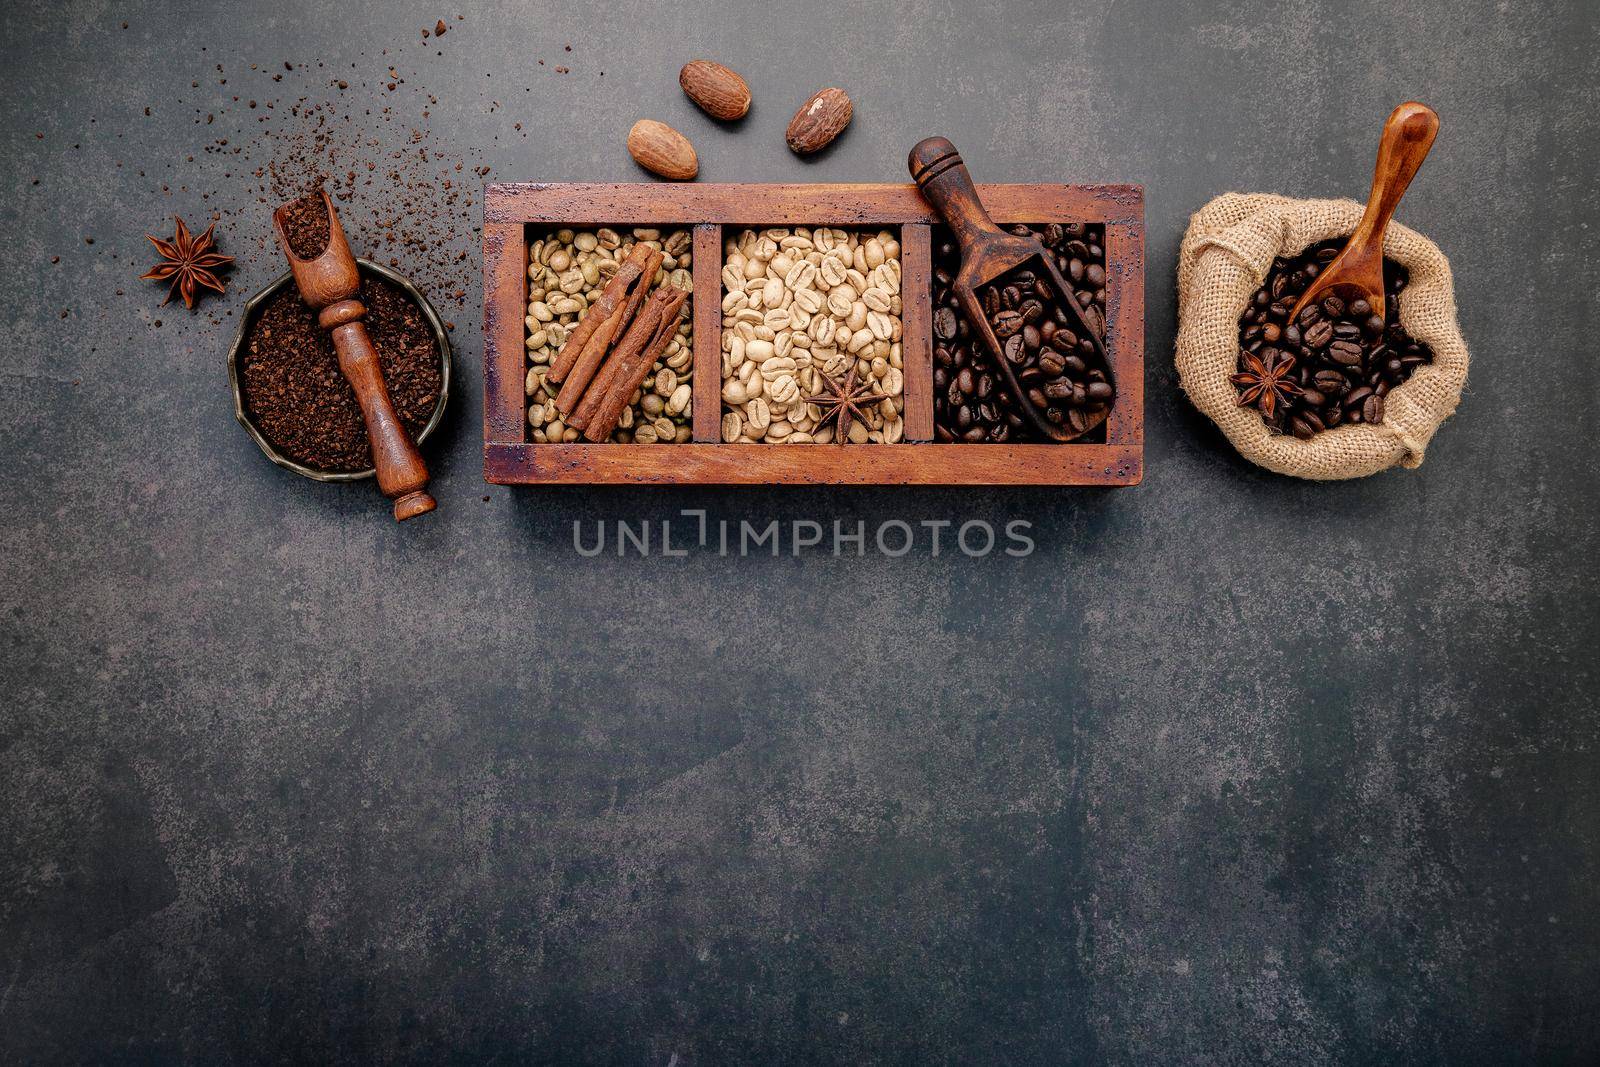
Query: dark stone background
point(1231, 769)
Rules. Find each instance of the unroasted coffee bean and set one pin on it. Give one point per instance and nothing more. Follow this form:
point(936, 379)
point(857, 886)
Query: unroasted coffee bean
point(1346, 358)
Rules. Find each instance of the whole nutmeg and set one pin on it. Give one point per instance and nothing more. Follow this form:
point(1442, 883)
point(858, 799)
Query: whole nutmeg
point(720, 92)
point(662, 150)
point(819, 120)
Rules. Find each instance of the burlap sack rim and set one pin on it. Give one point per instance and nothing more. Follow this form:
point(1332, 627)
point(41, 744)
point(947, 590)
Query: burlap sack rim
point(1407, 428)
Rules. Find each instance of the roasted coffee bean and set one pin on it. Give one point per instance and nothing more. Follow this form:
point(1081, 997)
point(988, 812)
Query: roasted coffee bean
point(1331, 382)
point(1007, 323)
point(944, 324)
point(1348, 358)
point(1044, 351)
point(965, 381)
point(1347, 353)
point(1319, 334)
point(1100, 391)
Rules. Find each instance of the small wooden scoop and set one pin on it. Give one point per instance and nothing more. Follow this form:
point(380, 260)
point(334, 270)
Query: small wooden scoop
point(1357, 272)
point(329, 284)
point(987, 253)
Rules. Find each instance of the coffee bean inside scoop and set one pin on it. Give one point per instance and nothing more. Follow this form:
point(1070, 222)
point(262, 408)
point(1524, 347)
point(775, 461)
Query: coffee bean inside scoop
point(1039, 338)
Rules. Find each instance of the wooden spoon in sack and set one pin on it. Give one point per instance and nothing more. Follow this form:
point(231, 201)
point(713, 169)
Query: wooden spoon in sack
point(1357, 272)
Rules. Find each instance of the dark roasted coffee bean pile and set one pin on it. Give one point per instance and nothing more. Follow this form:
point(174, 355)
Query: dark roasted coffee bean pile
point(1343, 359)
point(972, 401)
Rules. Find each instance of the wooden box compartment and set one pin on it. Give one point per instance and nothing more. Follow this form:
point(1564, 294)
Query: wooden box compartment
point(510, 210)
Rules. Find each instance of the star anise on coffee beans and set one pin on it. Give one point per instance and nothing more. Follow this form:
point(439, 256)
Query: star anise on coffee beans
point(842, 401)
point(1266, 383)
point(189, 262)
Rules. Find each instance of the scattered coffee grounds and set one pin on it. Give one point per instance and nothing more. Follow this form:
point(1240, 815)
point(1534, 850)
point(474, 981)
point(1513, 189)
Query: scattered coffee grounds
point(306, 225)
point(1335, 363)
point(298, 398)
point(971, 400)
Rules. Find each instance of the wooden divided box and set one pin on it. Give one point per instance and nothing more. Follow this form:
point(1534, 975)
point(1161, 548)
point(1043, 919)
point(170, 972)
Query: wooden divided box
point(514, 214)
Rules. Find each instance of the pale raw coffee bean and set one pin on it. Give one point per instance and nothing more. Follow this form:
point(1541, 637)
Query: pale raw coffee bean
point(777, 367)
point(645, 434)
point(805, 301)
point(666, 382)
point(757, 414)
point(732, 426)
point(784, 391)
point(803, 276)
point(678, 402)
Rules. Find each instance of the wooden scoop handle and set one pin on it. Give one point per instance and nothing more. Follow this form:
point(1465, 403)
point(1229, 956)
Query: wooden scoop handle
point(402, 476)
point(329, 284)
point(941, 175)
point(1407, 137)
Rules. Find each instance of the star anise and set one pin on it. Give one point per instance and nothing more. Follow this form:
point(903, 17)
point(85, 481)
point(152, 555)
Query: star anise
point(189, 262)
point(842, 401)
point(1266, 382)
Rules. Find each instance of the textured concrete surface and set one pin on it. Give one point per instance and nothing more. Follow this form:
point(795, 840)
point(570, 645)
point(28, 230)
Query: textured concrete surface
point(1231, 769)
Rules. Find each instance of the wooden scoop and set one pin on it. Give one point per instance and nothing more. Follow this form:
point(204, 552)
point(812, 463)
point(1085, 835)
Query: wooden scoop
point(329, 284)
point(1357, 272)
point(988, 253)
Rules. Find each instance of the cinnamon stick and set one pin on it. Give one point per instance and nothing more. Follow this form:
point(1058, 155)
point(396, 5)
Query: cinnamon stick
point(649, 335)
point(610, 298)
point(600, 387)
point(612, 329)
point(645, 322)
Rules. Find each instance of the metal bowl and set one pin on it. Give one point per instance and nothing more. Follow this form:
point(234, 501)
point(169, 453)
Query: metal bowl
point(252, 311)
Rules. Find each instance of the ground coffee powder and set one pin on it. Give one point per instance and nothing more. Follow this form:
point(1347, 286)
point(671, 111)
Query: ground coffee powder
point(306, 225)
point(295, 394)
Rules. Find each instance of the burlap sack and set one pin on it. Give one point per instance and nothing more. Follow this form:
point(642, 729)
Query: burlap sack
point(1225, 255)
